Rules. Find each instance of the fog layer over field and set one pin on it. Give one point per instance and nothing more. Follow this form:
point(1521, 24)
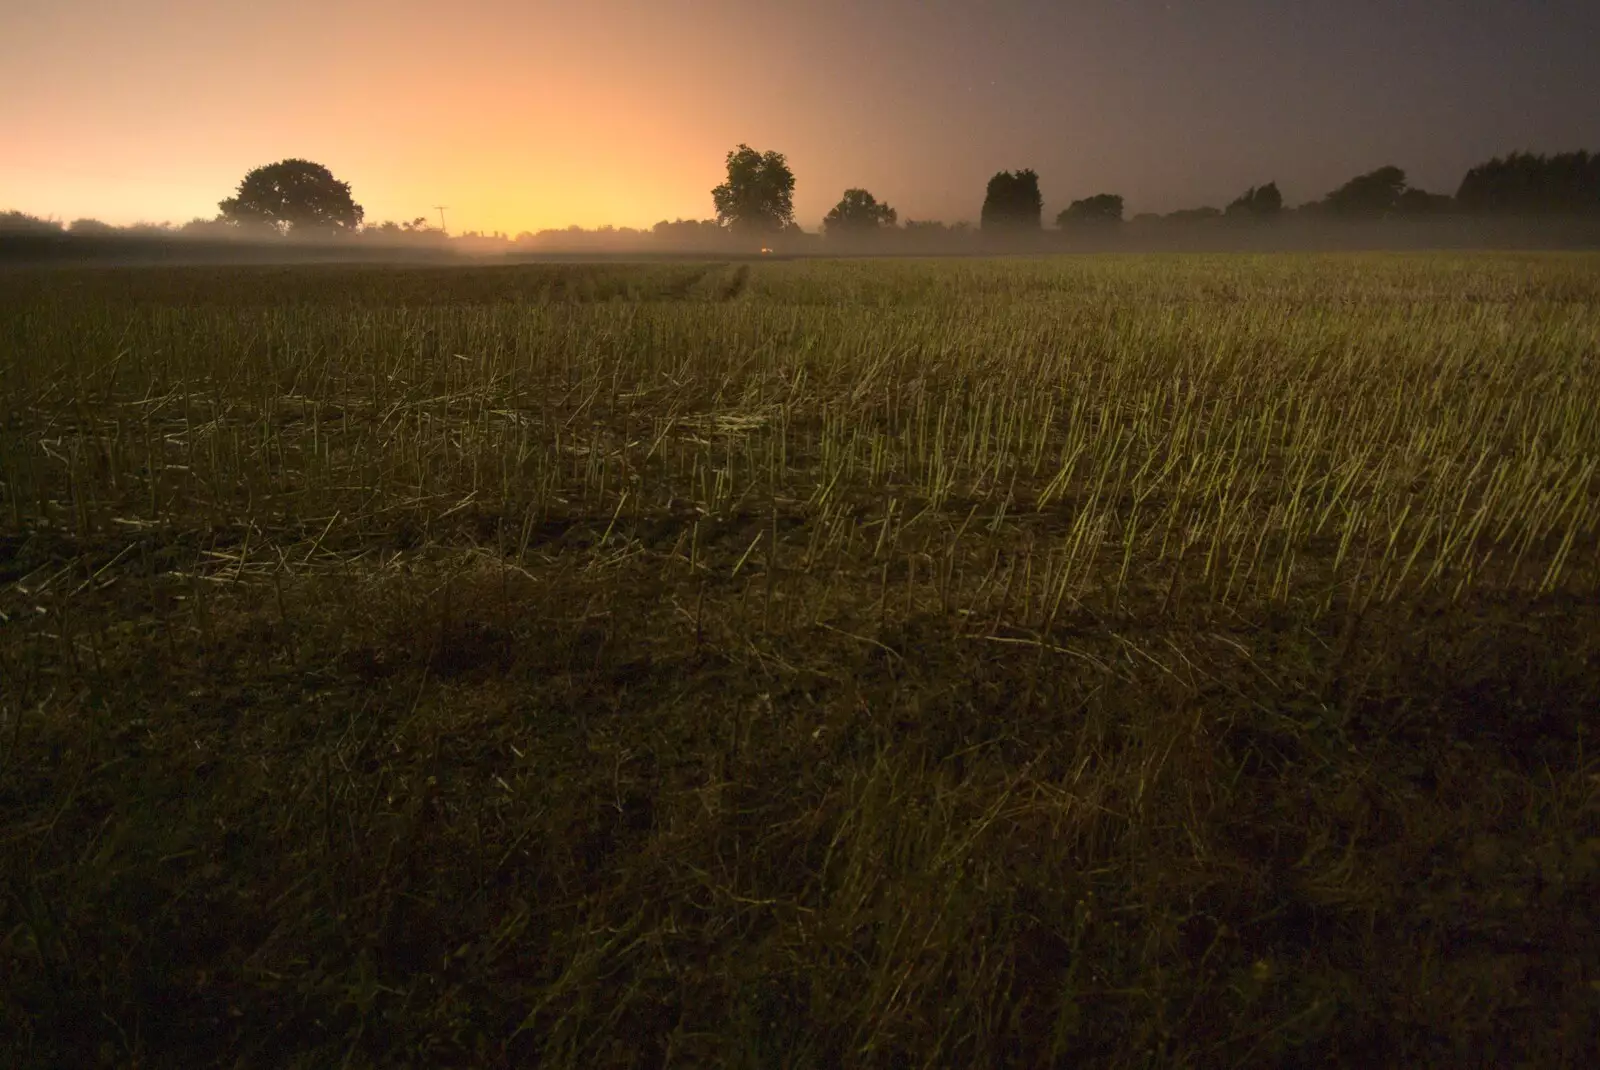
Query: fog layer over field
point(1302, 235)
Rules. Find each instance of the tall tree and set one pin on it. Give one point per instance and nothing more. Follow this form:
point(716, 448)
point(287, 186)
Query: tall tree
point(294, 196)
point(858, 212)
point(1012, 202)
point(1101, 208)
point(758, 197)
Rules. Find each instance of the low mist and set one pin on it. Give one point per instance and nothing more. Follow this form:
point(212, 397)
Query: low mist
point(54, 245)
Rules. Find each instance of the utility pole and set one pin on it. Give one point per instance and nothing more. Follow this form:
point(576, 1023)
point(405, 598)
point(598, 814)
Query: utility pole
point(441, 208)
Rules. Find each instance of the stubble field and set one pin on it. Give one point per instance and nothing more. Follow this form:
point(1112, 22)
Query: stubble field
point(1116, 661)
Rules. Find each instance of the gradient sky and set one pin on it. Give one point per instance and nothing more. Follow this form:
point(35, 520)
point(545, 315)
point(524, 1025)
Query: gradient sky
point(525, 114)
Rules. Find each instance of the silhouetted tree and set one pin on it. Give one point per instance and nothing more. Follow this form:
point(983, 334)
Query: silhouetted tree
point(758, 196)
point(1192, 215)
point(90, 227)
point(22, 223)
point(1012, 202)
point(1101, 208)
point(412, 230)
point(215, 227)
point(294, 196)
point(1567, 183)
point(577, 239)
point(687, 228)
point(858, 212)
point(689, 234)
point(1374, 194)
point(1258, 202)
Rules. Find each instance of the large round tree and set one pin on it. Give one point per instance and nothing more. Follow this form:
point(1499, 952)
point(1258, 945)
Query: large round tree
point(758, 196)
point(294, 196)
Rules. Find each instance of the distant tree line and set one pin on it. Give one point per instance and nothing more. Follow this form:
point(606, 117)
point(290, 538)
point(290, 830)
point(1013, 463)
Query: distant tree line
point(1101, 208)
point(1567, 183)
point(1522, 184)
point(755, 202)
point(1519, 184)
point(1257, 202)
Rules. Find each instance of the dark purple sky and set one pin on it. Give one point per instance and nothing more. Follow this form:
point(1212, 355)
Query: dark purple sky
point(1182, 103)
point(521, 114)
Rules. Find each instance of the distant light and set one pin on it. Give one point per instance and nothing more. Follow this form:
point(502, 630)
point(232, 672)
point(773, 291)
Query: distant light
point(765, 250)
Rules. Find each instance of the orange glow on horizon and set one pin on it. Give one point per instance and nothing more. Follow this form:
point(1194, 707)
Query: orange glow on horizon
point(540, 114)
point(519, 117)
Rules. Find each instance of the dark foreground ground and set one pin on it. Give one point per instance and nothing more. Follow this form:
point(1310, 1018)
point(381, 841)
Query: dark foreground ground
point(1126, 662)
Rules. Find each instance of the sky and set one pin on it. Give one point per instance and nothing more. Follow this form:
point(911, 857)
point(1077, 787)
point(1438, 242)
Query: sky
point(528, 114)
